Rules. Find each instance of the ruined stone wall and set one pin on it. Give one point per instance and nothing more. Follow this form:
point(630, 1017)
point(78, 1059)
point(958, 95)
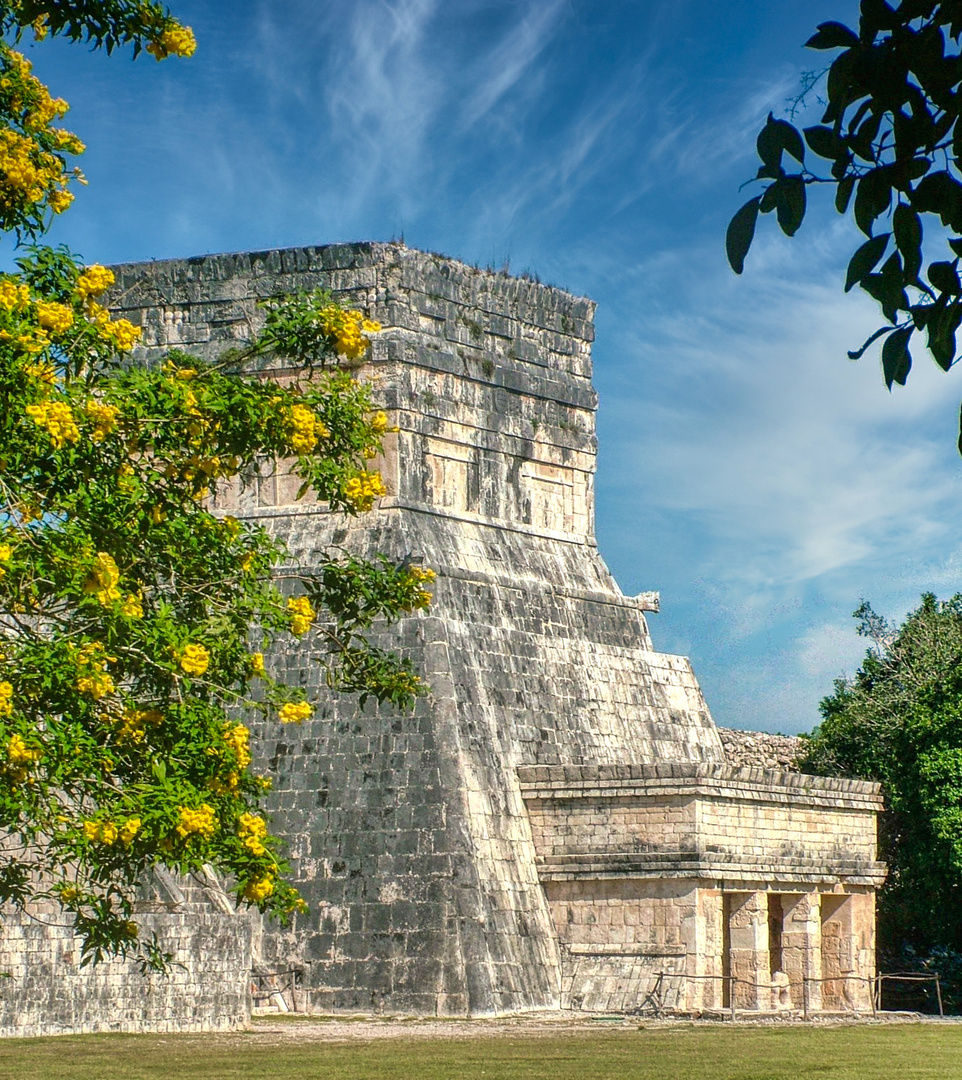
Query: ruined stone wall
point(48, 993)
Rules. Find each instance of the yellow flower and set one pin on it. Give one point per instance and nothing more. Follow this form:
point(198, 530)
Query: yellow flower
point(361, 491)
point(379, 422)
point(92, 662)
point(194, 659)
point(295, 712)
point(103, 417)
point(103, 578)
point(257, 664)
point(6, 553)
point(93, 281)
point(43, 371)
point(120, 333)
point(132, 607)
point(302, 614)
point(252, 830)
point(129, 830)
point(108, 832)
point(175, 41)
point(305, 429)
point(53, 316)
point(13, 296)
point(18, 753)
point(258, 889)
point(237, 738)
point(202, 821)
point(6, 699)
point(58, 420)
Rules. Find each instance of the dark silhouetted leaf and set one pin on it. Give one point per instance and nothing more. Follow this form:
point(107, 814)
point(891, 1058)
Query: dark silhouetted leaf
point(790, 204)
point(824, 142)
point(843, 193)
point(832, 35)
point(945, 277)
point(776, 137)
point(865, 259)
point(896, 358)
point(942, 326)
point(907, 226)
point(741, 232)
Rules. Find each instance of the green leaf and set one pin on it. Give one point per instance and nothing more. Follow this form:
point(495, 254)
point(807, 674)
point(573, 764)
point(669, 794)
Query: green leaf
point(896, 359)
point(741, 232)
point(865, 259)
point(790, 204)
point(832, 35)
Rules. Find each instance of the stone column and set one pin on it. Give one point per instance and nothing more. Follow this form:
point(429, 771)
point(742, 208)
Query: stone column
point(748, 934)
point(802, 948)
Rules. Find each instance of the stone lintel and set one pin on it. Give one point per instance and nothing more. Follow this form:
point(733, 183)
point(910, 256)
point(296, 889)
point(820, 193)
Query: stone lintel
point(696, 780)
point(736, 873)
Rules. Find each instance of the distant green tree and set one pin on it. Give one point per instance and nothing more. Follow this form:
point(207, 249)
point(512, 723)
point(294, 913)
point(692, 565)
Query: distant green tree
point(899, 721)
point(890, 145)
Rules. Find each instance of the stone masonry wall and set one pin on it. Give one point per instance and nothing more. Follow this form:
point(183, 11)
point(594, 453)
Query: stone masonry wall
point(48, 993)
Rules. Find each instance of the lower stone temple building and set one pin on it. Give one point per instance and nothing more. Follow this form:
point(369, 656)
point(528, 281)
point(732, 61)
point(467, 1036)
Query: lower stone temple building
point(557, 825)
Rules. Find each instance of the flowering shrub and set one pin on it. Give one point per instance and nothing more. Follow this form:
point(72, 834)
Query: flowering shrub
point(130, 612)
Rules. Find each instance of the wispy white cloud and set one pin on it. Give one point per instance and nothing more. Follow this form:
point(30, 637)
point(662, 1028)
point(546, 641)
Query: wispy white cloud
point(501, 68)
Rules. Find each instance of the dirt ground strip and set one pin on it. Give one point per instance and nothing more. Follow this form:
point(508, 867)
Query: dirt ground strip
point(274, 1030)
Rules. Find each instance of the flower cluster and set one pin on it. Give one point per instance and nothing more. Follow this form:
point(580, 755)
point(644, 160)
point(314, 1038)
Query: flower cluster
point(347, 329)
point(295, 712)
point(237, 738)
point(202, 822)
point(102, 580)
point(175, 41)
point(13, 296)
point(57, 419)
point(102, 417)
point(6, 699)
point(305, 429)
point(93, 281)
point(361, 491)
point(107, 832)
point(32, 170)
point(20, 759)
point(134, 722)
point(422, 598)
point(259, 889)
point(194, 659)
point(58, 318)
point(301, 613)
point(6, 554)
point(94, 678)
point(252, 830)
point(133, 606)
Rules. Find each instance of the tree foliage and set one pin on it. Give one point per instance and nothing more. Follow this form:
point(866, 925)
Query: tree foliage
point(899, 721)
point(890, 145)
point(134, 621)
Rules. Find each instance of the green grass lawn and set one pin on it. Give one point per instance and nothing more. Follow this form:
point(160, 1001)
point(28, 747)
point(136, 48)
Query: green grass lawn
point(895, 1052)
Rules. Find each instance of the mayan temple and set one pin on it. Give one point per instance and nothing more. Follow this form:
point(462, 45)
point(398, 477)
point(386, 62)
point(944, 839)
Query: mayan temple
point(556, 825)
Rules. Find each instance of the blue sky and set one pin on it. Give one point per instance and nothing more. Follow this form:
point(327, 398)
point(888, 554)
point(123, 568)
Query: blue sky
point(748, 470)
